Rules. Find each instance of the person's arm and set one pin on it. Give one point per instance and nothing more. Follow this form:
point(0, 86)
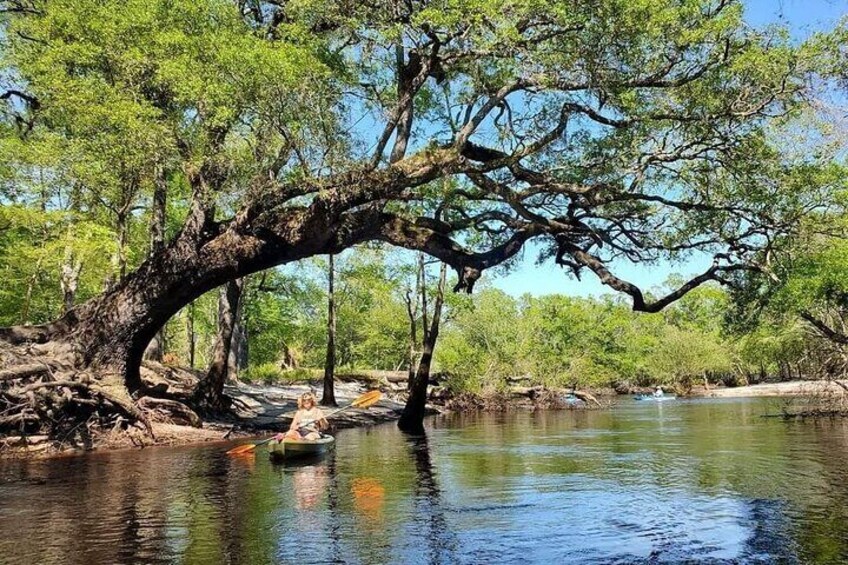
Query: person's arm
point(322, 422)
point(295, 422)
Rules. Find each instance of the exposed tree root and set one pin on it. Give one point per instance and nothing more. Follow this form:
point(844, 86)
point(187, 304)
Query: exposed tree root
point(44, 392)
point(23, 371)
point(171, 411)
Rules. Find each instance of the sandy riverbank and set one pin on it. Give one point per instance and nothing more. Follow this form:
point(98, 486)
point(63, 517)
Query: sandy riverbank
point(789, 388)
point(259, 411)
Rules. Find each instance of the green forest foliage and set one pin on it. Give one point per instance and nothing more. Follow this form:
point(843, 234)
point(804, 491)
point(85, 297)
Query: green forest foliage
point(128, 89)
point(487, 337)
point(562, 341)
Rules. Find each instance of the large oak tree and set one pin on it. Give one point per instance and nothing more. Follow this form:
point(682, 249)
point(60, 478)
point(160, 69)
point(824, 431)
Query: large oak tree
point(603, 131)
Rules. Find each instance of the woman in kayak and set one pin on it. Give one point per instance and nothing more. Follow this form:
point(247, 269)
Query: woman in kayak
point(307, 413)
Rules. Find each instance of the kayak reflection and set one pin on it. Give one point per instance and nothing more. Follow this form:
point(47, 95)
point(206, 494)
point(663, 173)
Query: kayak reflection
point(310, 485)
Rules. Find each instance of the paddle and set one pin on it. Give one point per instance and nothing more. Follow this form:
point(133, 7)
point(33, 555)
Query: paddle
point(363, 401)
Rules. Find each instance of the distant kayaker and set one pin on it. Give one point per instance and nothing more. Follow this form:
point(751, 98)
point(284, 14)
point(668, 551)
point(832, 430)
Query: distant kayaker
point(311, 415)
point(659, 392)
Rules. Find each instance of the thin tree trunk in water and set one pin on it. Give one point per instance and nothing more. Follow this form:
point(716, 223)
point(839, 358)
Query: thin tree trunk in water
point(211, 390)
point(158, 209)
point(412, 314)
point(422, 273)
point(421, 287)
point(412, 418)
point(329, 396)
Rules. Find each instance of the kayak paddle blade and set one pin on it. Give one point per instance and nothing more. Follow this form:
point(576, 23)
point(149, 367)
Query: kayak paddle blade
point(242, 449)
point(367, 399)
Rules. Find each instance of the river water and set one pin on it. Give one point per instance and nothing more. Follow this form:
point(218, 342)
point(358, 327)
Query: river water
point(707, 481)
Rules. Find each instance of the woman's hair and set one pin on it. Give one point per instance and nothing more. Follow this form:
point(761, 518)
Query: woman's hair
point(306, 396)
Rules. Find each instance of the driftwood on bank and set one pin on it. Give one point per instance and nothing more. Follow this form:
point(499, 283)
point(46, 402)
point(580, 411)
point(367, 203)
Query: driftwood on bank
point(538, 390)
point(586, 397)
point(176, 412)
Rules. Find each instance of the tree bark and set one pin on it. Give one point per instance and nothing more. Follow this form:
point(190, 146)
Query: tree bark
point(119, 258)
point(190, 335)
point(69, 280)
point(412, 417)
point(237, 359)
point(71, 266)
point(412, 314)
point(329, 396)
point(210, 392)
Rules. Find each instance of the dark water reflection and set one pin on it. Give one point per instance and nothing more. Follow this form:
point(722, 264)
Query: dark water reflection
point(707, 481)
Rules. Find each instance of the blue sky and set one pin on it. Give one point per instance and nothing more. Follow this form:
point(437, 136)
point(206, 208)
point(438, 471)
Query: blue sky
point(803, 17)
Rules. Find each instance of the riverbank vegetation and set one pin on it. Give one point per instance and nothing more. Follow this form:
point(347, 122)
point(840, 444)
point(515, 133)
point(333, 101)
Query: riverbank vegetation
point(153, 152)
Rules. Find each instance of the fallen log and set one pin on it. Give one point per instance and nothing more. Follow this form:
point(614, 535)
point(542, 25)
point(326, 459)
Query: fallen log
point(397, 377)
point(15, 441)
point(586, 397)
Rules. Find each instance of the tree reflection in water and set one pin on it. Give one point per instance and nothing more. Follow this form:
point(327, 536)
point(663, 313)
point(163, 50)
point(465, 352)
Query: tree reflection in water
point(442, 543)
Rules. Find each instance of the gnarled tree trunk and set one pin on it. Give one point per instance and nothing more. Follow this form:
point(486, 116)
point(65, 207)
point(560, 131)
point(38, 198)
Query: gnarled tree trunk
point(101, 342)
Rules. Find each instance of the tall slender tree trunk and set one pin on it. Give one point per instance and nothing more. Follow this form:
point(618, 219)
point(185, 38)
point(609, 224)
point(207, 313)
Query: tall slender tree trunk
point(412, 418)
point(71, 266)
point(422, 281)
point(237, 359)
point(31, 283)
point(412, 314)
point(421, 287)
point(123, 241)
point(69, 280)
point(192, 340)
point(158, 209)
point(329, 396)
point(119, 258)
point(210, 392)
